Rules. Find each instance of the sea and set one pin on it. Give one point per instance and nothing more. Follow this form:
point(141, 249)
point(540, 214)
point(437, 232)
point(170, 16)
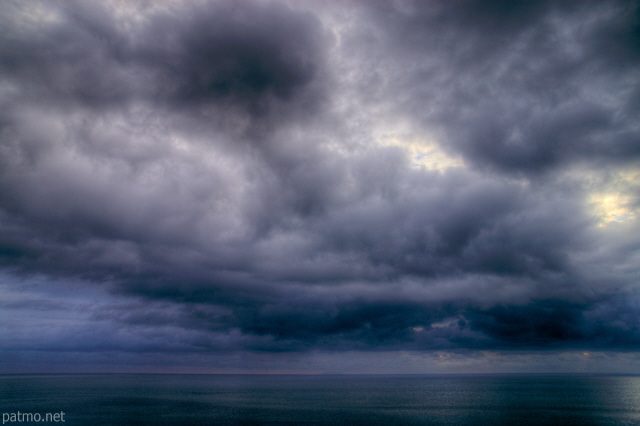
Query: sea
point(192, 399)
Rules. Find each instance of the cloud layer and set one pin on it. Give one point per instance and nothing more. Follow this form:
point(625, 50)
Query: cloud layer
point(282, 177)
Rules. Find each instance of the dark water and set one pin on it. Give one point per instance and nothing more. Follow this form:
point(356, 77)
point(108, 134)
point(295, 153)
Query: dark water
point(132, 399)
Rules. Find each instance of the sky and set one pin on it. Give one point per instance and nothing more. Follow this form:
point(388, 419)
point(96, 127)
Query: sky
point(319, 187)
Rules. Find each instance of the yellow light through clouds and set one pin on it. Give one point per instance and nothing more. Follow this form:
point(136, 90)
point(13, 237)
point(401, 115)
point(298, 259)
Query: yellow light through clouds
point(423, 152)
point(616, 202)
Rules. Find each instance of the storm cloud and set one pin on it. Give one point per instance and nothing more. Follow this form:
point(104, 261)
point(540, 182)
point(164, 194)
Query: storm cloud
point(286, 179)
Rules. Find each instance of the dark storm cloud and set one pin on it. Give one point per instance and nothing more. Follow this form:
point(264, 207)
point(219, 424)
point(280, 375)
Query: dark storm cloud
point(247, 55)
point(521, 87)
point(216, 173)
point(608, 324)
point(216, 62)
point(480, 227)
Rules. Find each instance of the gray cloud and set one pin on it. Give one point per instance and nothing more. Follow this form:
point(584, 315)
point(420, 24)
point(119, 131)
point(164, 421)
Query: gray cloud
point(219, 176)
point(518, 88)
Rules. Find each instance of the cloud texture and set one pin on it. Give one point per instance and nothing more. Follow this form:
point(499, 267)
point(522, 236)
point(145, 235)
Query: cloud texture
point(280, 178)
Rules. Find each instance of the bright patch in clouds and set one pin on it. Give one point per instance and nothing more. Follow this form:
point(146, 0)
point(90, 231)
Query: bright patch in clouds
point(423, 149)
point(424, 153)
point(618, 200)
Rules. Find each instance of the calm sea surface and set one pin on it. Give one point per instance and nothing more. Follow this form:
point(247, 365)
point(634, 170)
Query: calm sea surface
point(139, 399)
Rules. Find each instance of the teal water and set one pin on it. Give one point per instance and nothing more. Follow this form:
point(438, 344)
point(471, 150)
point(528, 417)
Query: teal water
point(139, 399)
